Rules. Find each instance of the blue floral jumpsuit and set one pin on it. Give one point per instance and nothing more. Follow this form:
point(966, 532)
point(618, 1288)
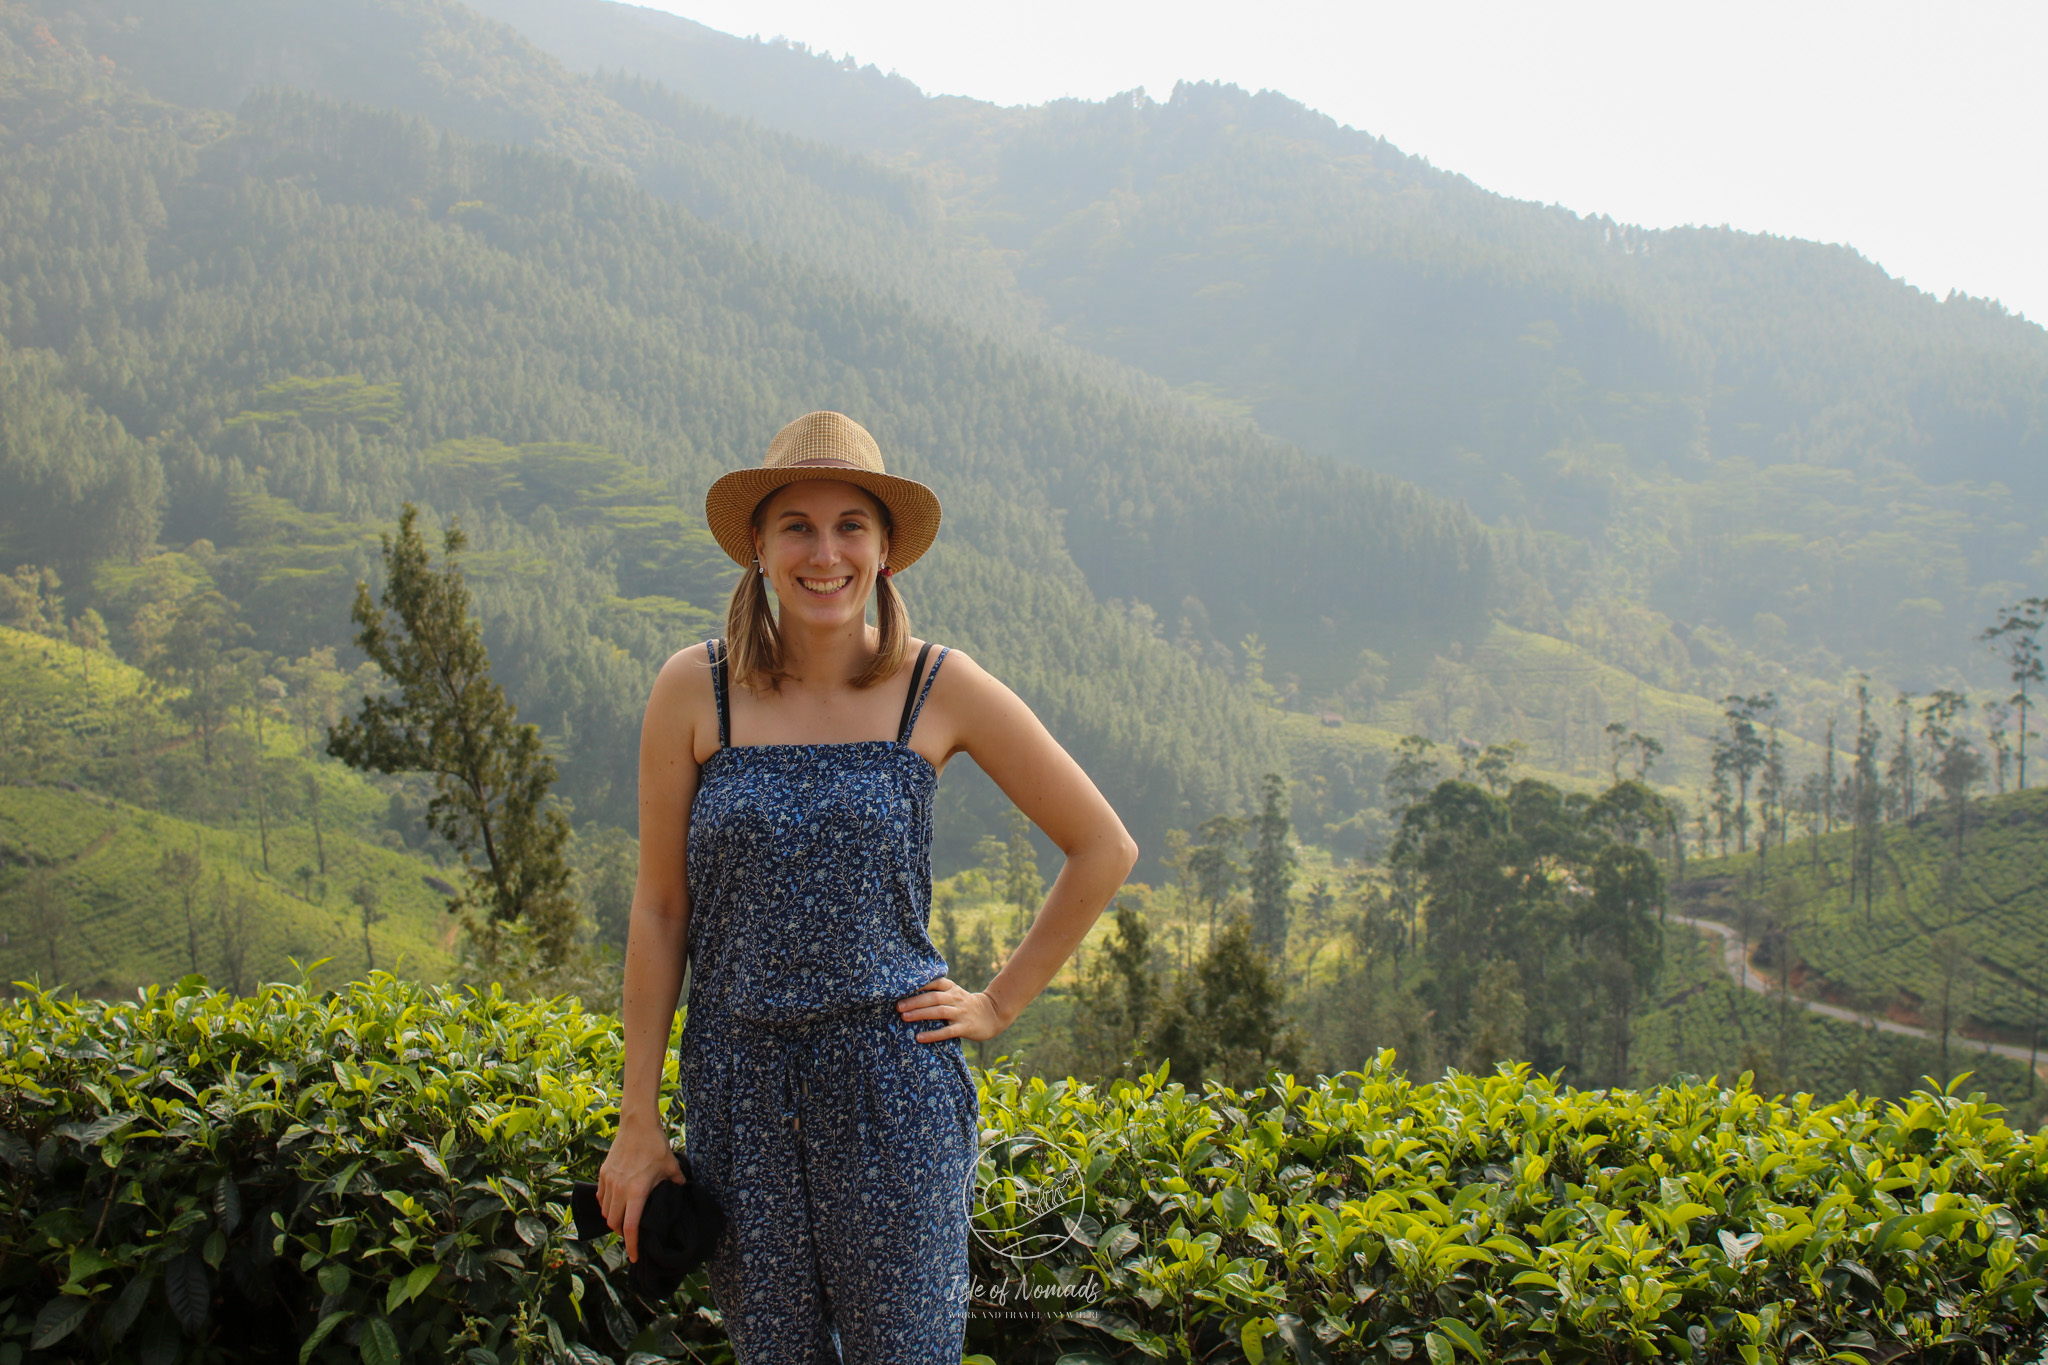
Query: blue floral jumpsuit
point(840, 1146)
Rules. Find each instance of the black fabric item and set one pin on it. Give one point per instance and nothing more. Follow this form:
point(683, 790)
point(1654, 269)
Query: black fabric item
point(910, 697)
point(679, 1225)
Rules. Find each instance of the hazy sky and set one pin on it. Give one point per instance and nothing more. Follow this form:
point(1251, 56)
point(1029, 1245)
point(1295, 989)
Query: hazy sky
point(1915, 133)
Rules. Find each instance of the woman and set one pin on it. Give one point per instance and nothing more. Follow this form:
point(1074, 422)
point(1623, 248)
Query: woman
point(786, 779)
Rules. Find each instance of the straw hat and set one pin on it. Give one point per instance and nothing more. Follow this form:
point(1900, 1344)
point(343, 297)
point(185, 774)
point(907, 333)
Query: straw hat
point(823, 445)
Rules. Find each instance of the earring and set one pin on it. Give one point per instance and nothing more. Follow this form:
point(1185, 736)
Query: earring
point(757, 565)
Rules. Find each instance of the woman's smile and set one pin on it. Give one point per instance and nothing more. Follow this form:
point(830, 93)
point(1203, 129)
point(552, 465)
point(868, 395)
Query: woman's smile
point(825, 587)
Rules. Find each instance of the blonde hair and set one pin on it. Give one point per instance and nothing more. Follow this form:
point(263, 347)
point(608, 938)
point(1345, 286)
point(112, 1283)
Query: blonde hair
point(753, 640)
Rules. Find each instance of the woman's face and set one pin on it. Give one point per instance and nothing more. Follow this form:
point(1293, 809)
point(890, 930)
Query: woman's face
point(821, 543)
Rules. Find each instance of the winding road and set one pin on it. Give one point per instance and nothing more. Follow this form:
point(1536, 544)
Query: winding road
point(1732, 960)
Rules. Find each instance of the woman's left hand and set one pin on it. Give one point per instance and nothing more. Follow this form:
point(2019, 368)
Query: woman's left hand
point(965, 1013)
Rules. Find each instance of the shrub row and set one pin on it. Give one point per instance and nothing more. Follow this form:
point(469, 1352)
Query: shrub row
point(380, 1175)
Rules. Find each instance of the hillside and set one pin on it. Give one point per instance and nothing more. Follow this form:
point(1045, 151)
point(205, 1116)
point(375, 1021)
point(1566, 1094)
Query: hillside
point(103, 889)
point(290, 393)
point(1762, 435)
point(1973, 931)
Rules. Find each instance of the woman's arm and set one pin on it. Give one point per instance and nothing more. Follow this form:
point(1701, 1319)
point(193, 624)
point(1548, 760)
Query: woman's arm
point(982, 718)
point(657, 943)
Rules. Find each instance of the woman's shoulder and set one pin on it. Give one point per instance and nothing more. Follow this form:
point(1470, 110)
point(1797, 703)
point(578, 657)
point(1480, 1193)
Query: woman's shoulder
point(956, 666)
point(690, 658)
point(685, 673)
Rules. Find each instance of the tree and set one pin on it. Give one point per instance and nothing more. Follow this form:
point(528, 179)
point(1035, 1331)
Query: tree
point(1496, 765)
point(1954, 763)
point(232, 908)
point(179, 869)
point(1224, 1020)
point(1998, 734)
point(1412, 774)
point(198, 662)
point(974, 967)
point(1740, 751)
point(1900, 795)
point(1119, 997)
point(1023, 888)
point(368, 909)
point(607, 863)
point(1500, 1018)
point(1619, 925)
point(1770, 789)
point(450, 720)
point(1271, 871)
point(1216, 873)
point(2016, 637)
point(1863, 805)
point(315, 798)
point(89, 635)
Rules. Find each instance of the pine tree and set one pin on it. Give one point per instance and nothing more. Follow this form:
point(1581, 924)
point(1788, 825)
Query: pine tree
point(450, 720)
point(1271, 873)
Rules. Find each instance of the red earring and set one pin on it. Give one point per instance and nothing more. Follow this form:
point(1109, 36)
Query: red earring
point(887, 572)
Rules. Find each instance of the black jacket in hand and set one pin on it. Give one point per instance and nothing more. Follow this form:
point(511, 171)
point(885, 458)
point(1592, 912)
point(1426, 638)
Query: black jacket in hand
point(679, 1225)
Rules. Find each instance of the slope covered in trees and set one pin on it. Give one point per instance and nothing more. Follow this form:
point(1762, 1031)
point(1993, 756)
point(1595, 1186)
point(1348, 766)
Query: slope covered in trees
point(1751, 432)
point(301, 314)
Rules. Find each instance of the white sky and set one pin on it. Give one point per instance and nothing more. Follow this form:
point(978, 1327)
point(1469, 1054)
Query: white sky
point(1914, 132)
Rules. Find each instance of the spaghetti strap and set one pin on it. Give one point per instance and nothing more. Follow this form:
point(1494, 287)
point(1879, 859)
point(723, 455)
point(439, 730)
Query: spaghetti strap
point(910, 693)
point(716, 649)
point(910, 722)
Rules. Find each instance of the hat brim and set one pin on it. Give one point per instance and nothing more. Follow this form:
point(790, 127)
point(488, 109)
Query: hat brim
point(913, 509)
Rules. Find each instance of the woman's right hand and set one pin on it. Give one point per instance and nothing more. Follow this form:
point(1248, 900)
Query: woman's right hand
point(639, 1160)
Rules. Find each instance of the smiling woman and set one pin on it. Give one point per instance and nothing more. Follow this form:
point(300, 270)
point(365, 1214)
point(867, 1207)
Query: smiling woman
point(786, 783)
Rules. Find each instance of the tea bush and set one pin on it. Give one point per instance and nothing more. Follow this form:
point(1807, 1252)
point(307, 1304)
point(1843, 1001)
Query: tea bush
point(380, 1175)
point(1506, 1218)
point(376, 1175)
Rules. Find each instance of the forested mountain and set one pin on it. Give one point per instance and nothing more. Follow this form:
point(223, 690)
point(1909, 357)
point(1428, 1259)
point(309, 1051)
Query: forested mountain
point(1741, 431)
point(268, 328)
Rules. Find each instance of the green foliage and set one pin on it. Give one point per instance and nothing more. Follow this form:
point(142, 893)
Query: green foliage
point(1270, 870)
point(451, 721)
point(1224, 1019)
point(380, 1174)
point(1370, 1218)
point(311, 1175)
point(1540, 880)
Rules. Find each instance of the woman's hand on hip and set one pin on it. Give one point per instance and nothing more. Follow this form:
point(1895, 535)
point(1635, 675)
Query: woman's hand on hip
point(639, 1160)
point(961, 1012)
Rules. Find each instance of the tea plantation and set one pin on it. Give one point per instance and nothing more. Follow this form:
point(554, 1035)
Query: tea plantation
point(380, 1175)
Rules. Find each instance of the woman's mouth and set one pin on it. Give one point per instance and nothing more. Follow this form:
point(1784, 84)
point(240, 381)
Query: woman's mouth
point(823, 587)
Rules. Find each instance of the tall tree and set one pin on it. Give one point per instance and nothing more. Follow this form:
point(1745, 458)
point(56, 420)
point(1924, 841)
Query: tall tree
point(2016, 637)
point(451, 721)
point(198, 664)
point(1953, 762)
point(1023, 888)
point(180, 870)
point(1865, 798)
point(1271, 871)
point(1740, 751)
